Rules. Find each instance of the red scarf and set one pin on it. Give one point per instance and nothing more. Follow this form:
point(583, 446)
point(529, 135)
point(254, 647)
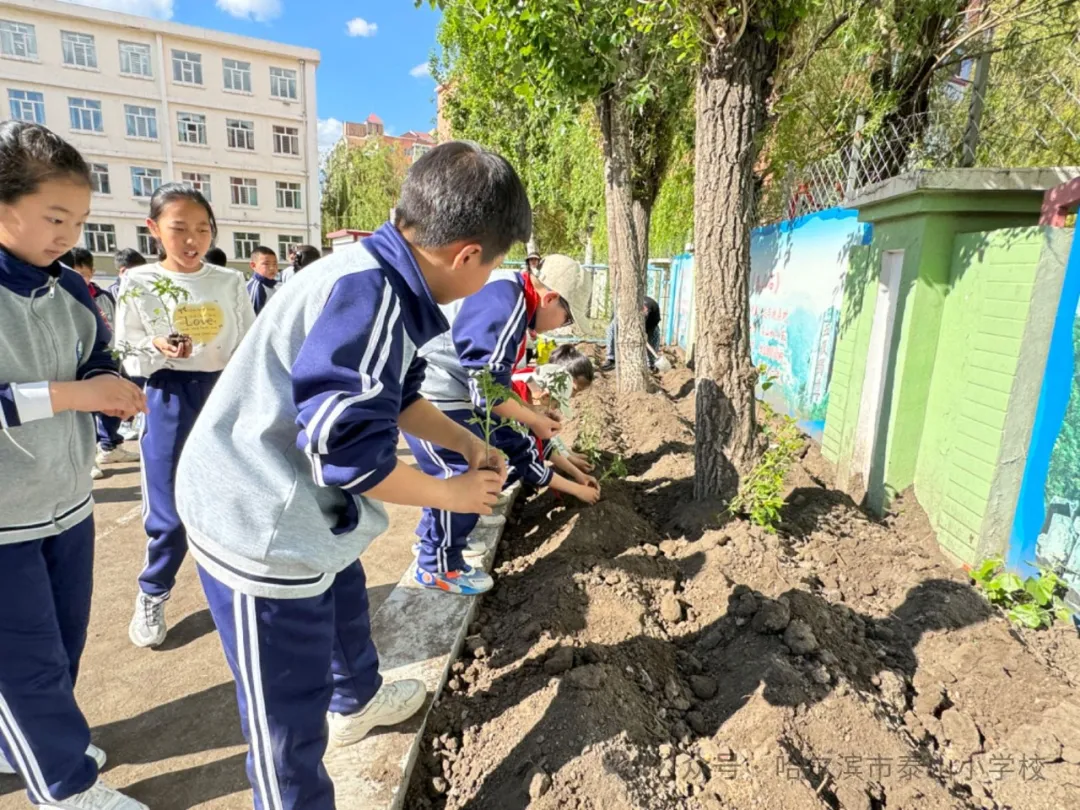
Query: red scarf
point(532, 303)
point(521, 388)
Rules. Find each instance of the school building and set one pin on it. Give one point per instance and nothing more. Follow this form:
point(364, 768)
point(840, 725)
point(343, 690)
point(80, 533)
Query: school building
point(150, 102)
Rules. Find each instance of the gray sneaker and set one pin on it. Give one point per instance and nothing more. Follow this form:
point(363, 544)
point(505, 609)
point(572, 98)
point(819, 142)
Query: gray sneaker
point(394, 703)
point(148, 627)
point(95, 753)
point(99, 797)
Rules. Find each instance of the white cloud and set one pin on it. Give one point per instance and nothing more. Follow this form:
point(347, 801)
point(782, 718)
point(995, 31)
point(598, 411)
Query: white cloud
point(162, 9)
point(329, 134)
point(359, 27)
point(257, 10)
point(421, 71)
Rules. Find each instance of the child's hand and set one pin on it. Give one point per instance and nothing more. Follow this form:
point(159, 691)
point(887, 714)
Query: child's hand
point(481, 456)
point(581, 462)
point(545, 428)
point(474, 493)
point(179, 350)
point(587, 481)
point(105, 393)
point(588, 494)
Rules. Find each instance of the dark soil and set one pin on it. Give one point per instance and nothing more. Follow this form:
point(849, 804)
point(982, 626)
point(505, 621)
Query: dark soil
point(648, 653)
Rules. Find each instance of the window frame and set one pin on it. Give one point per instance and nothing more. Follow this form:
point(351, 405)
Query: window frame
point(36, 105)
point(181, 62)
point(142, 178)
point(200, 128)
point(285, 240)
point(280, 138)
point(99, 171)
point(137, 113)
point(96, 115)
point(28, 37)
point(247, 187)
point(146, 51)
point(292, 82)
point(250, 239)
point(77, 42)
point(283, 194)
point(93, 230)
point(229, 73)
point(235, 126)
point(203, 186)
point(147, 244)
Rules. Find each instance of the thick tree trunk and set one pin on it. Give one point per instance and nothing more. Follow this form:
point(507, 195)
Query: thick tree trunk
point(731, 97)
point(628, 246)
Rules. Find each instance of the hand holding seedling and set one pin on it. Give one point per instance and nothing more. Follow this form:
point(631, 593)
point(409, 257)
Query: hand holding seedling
point(586, 493)
point(482, 457)
point(473, 493)
point(175, 347)
point(545, 427)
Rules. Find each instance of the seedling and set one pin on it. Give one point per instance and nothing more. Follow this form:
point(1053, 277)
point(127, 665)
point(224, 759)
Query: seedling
point(170, 296)
point(493, 392)
point(560, 387)
point(588, 438)
point(1033, 603)
point(617, 469)
point(761, 494)
point(768, 377)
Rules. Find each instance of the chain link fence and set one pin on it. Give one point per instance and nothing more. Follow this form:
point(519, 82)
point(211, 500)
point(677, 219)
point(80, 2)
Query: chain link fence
point(1022, 111)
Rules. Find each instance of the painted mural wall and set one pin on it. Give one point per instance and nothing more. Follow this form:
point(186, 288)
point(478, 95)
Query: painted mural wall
point(796, 290)
point(1046, 531)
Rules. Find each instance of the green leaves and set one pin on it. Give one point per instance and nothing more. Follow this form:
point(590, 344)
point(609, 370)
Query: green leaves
point(761, 494)
point(1034, 603)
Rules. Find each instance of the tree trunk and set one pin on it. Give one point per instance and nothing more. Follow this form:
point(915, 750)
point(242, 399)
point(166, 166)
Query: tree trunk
point(628, 246)
point(731, 103)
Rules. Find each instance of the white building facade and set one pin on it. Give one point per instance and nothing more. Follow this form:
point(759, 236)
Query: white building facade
point(150, 102)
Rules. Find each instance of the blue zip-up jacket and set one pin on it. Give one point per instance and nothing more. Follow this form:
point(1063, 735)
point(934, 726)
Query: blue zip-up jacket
point(486, 332)
point(50, 331)
point(304, 421)
point(260, 288)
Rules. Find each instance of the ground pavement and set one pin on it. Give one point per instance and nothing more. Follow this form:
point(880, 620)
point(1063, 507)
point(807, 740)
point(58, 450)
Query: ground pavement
point(167, 717)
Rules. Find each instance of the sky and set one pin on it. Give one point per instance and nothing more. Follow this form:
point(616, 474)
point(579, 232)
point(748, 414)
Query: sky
point(375, 53)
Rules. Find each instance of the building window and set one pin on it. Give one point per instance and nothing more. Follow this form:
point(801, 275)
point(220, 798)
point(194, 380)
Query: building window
point(199, 182)
point(282, 83)
point(18, 40)
point(135, 59)
point(85, 115)
point(286, 141)
point(187, 67)
point(148, 245)
point(244, 244)
point(99, 238)
point(288, 195)
point(27, 106)
point(79, 50)
point(245, 191)
point(141, 121)
point(241, 134)
point(192, 128)
point(287, 243)
point(237, 75)
point(99, 178)
point(144, 182)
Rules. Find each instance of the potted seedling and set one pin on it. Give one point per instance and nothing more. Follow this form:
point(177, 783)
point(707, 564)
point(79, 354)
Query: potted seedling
point(493, 392)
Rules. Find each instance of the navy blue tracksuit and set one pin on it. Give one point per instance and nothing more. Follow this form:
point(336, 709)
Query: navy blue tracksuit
point(174, 399)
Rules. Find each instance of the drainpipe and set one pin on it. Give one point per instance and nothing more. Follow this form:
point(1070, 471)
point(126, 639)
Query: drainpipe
point(167, 126)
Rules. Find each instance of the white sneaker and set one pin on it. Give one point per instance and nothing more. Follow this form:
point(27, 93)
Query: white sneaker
point(475, 550)
point(394, 703)
point(491, 521)
point(96, 474)
point(148, 627)
point(118, 455)
point(129, 431)
point(95, 753)
point(99, 797)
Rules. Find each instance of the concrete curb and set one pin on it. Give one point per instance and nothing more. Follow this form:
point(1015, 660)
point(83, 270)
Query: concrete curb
point(419, 634)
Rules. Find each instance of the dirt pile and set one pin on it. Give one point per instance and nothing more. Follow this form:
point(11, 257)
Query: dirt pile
point(622, 663)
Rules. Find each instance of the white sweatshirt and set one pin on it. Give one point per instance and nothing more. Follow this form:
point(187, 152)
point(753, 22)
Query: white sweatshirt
point(216, 314)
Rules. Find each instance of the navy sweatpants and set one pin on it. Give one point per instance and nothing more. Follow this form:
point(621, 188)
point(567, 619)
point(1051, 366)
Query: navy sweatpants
point(108, 431)
point(174, 400)
point(45, 590)
point(293, 659)
point(443, 535)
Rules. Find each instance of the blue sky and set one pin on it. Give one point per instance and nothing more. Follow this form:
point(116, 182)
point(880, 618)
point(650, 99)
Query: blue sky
point(374, 52)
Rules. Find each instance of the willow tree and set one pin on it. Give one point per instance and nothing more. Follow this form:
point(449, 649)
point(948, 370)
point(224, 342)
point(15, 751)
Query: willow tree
point(361, 184)
point(616, 56)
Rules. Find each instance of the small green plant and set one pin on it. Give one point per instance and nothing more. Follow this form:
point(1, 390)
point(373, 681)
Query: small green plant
point(1033, 603)
point(761, 494)
point(588, 438)
point(615, 470)
point(170, 296)
point(560, 387)
point(767, 376)
point(493, 393)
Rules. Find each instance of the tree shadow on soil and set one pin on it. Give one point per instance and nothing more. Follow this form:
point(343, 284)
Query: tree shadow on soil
point(596, 701)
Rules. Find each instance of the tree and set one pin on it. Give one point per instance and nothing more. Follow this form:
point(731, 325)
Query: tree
point(616, 57)
point(362, 185)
